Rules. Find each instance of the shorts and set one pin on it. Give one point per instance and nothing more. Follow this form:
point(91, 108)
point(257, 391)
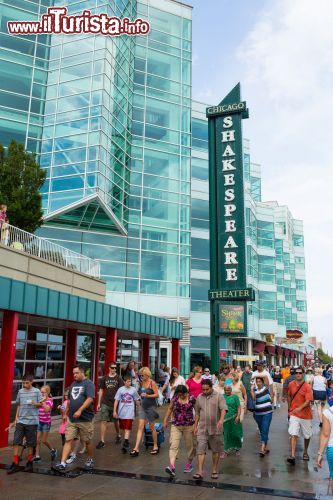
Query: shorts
point(84, 430)
point(107, 413)
point(149, 414)
point(44, 427)
point(298, 425)
point(126, 424)
point(319, 396)
point(29, 432)
point(213, 440)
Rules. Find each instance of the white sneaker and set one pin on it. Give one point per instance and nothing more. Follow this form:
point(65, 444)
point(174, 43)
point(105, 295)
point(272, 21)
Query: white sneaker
point(279, 406)
point(71, 458)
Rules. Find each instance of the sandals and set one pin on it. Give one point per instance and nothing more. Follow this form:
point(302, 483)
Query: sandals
point(214, 475)
point(155, 451)
point(306, 457)
point(198, 476)
point(134, 453)
point(291, 460)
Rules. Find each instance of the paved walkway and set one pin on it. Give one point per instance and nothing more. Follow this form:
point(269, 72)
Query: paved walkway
point(246, 477)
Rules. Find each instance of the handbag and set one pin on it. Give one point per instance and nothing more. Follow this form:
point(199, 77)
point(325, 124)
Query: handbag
point(250, 403)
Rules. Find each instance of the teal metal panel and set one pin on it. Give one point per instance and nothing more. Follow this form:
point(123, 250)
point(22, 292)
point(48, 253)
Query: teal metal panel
point(91, 305)
point(73, 307)
point(132, 316)
point(5, 287)
point(29, 303)
point(53, 304)
point(63, 305)
point(40, 301)
point(113, 317)
point(82, 310)
point(17, 294)
point(98, 313)
point(106, 315)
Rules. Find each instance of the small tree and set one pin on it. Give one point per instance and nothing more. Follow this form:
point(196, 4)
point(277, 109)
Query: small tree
point(20, 181)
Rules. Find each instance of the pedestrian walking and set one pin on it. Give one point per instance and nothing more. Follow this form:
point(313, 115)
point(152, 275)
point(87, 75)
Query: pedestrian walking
point(326, 440)
point(319, 387)
point(206, 374)
point(44, 424)
point(262, 410)
point(226, 370)
point(181, 408)
point(175, 380)
point(26, 423)
point(108, 388)
point(232, 425)
point(299, 408)
point(238, 389)
point(147, 413)
point(277, 386)
point(286, 383)
point(219, 388)
point(194, 383)
point(261, 371)
point(285, 371)
point(124, 409)
point(210, 410)
point(81, 415)
point(64, 415)
point(309, 376)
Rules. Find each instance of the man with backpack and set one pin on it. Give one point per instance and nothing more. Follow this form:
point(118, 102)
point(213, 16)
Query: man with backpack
point(299, 408)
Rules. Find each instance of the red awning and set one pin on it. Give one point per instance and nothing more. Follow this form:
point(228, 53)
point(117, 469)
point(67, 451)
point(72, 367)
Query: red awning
point(270, 349)
point(279, 351)
point(259, 346)
point(287, 352)
point(292, 354)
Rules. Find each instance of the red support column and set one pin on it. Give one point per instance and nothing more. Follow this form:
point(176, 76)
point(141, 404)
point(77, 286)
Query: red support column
point(7, 360)
point(96, 368)
point(175, 354)
point(70, 355)
point(145, 352)
point(110, 348)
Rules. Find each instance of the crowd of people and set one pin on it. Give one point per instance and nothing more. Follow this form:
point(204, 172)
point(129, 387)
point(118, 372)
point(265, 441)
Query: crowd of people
point(207, 409)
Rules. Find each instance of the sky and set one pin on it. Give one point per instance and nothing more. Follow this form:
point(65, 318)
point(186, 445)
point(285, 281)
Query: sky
point(282, 53)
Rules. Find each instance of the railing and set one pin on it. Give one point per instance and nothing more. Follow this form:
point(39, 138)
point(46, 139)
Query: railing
point(40, 247)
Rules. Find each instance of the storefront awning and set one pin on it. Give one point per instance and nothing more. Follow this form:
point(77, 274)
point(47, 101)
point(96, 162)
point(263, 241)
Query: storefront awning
point(287, 352)
point(259, 346)
point(279, 351)
point(270, 349)
point(292, 354)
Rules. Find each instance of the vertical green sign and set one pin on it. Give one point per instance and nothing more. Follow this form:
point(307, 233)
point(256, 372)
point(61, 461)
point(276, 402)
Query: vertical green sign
point(226, 203)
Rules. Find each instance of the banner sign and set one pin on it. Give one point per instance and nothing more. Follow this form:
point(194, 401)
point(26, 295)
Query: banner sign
point(232, 318)
point(227, 221)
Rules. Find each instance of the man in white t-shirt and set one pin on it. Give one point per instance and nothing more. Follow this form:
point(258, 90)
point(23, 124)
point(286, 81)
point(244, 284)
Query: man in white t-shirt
point(262, 372)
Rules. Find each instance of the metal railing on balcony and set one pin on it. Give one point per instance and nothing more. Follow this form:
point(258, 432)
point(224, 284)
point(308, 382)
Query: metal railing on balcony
point(40, 247)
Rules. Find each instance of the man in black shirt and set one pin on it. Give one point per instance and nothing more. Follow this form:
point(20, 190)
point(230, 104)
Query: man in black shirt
point(107, 390)
point(81, 414)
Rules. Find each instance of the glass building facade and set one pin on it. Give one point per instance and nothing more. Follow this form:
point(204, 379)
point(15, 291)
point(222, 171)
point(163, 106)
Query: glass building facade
point(126, 155)
point(115, 141)
point(274, 258)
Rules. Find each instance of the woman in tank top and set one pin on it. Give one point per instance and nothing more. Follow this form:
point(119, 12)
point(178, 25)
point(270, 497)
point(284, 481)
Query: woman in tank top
point(326, 439)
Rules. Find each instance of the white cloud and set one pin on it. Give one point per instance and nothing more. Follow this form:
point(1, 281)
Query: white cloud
point(287, 62)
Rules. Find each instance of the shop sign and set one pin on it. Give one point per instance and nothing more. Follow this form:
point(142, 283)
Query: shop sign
point(244, 294)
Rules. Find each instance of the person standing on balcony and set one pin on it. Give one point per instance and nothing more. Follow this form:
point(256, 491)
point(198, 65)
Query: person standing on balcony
point(4, 222)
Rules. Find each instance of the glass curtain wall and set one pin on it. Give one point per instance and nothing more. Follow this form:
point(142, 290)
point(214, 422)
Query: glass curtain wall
point(23, 76)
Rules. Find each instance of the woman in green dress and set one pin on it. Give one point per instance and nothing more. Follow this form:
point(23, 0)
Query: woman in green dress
point(232, 427)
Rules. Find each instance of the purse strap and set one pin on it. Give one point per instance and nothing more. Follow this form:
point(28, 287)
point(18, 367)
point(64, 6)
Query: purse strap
point(294, 395)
